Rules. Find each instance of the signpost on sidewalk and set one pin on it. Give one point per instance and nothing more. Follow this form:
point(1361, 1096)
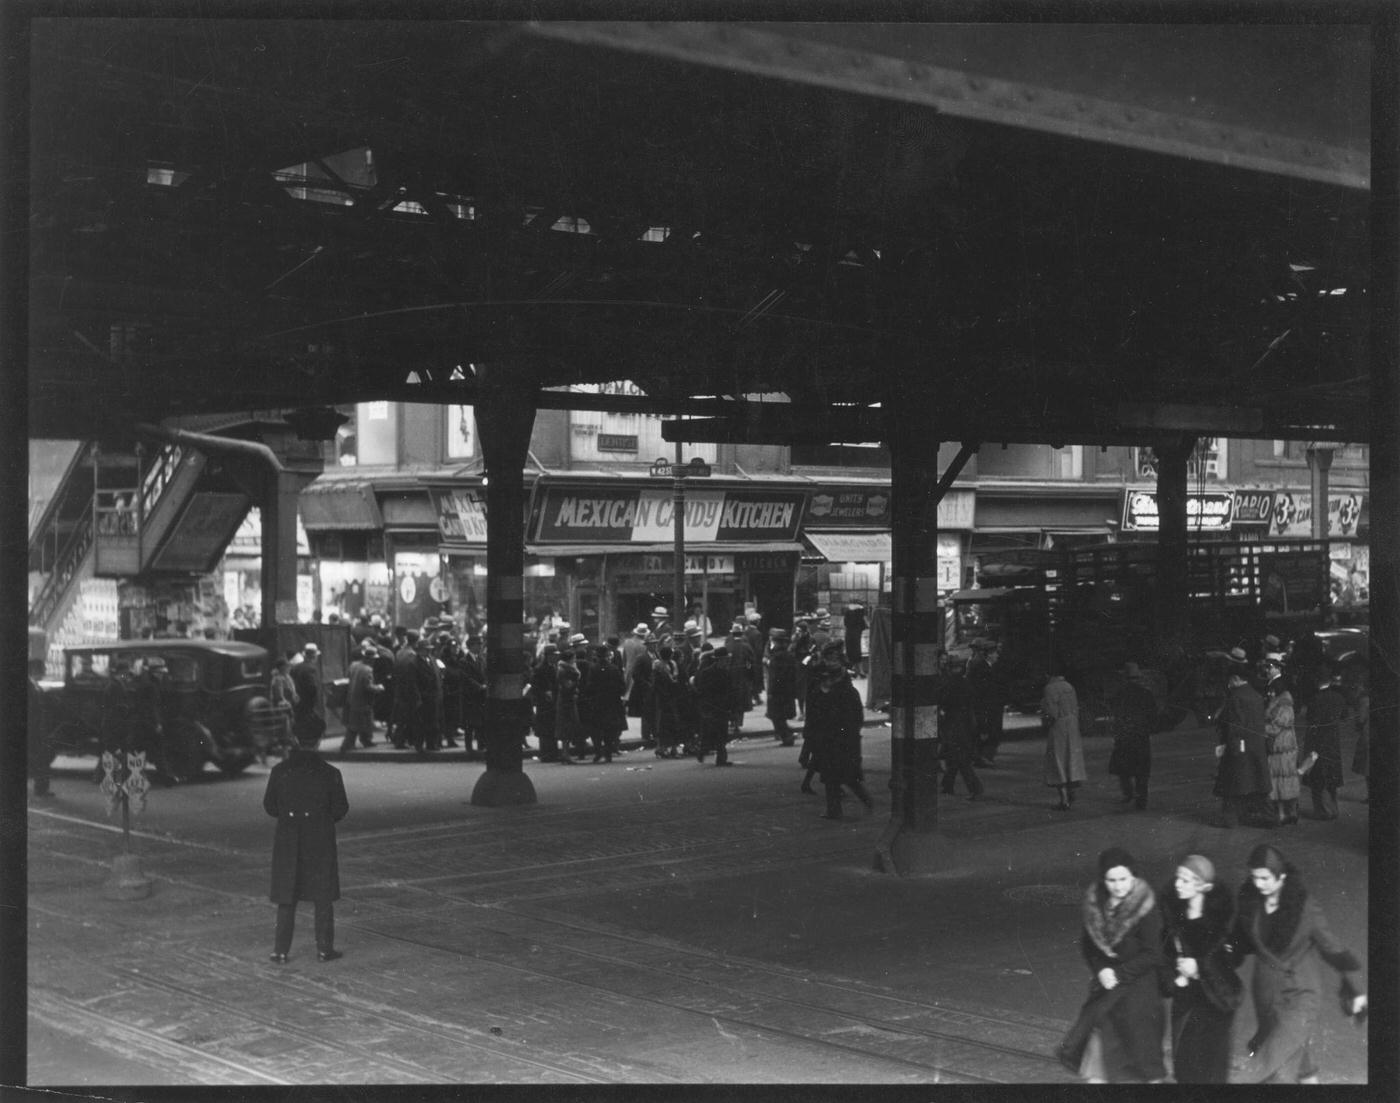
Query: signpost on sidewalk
point(663, 468)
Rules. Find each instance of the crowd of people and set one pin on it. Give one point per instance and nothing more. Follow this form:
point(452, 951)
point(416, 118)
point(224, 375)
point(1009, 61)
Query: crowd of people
point(1173, 956)
point(689, 693)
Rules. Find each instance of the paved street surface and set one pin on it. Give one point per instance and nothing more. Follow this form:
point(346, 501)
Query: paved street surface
point(647, 921)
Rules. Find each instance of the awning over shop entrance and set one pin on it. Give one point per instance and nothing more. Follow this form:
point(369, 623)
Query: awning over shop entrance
point(339, 505)
point(851, 547)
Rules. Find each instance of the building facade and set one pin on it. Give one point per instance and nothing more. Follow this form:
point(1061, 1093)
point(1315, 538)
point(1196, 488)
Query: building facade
point(397, 526)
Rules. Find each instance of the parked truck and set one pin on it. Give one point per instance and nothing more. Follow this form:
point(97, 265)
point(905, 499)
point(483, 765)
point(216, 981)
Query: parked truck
point(1094, 609)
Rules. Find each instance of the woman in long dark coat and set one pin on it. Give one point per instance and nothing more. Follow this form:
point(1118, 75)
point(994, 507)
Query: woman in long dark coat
point(541, 692)
point(306, 795)
point(782, 687)
point(1198, 918)
point(640, 703)
point(1242, 779)
point(666, 695)
point(834, 720)
point(1286, 930)
point(1117, 1038)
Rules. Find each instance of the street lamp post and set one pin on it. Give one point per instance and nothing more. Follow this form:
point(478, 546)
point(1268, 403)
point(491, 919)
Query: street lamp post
point(678, 521)
point(678, 472)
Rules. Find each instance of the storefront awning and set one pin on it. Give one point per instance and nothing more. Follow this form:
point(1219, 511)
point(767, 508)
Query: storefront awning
point(851, 547)
point(348, 505)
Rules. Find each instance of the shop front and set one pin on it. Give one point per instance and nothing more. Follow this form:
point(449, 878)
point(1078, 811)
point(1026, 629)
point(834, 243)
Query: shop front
point(1268, 513)
point(849, 548)
point(611, 547)
point(350, 577)
point(1042, 516)
point(417, 586)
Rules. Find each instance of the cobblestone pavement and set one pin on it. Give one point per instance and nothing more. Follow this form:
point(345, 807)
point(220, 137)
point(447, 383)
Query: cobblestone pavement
point(674, 925)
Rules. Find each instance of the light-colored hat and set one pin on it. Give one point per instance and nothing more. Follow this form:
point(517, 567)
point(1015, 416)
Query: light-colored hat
point(155, 662)
point(660, 611)
point(1237, 655)
point(693, 630)
point(821, 614)
point(1201, 866)
point(1274, 657)
point(640, 630)
point(754, 618)
point(577, 638)
point(311, 649)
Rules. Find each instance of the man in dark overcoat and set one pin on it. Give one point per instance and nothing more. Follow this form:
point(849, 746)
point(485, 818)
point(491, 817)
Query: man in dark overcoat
point(429, 674)
point(408, 698)
point(1135, 719)
point(1242, 782)
point(474, 694)
point(834, 720)
point(1322, 737)
point(306, 795)
point(782, 686)
point(741, 679)
point(714, 695)
point(309, 712)
point(987, 683)
point(957, 732)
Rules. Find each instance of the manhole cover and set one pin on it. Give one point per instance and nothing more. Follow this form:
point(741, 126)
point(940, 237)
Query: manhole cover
point(1046, 894)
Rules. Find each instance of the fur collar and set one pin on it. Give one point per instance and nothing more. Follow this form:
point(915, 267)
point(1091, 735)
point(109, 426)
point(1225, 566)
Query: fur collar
point(1106, 925)
point(1218, 915)
point(1284, 922)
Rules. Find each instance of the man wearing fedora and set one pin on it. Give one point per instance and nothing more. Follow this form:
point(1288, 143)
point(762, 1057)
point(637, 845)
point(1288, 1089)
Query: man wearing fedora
point(1242, 779)
point(306, 796)
point(309, 712)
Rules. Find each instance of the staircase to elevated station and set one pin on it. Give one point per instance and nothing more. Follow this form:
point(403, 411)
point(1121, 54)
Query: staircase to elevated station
point(117, 516)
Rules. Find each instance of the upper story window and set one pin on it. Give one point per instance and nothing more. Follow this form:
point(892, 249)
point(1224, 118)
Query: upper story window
point(460, 434)
point(369, 437)
point(1031, 461)
point(1209, 462)
point(602, 437)
point(1296, 451)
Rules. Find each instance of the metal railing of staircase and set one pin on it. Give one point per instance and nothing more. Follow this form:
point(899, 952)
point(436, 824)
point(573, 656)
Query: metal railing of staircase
point(158, 477)
point(62, 575)
point(53, 508)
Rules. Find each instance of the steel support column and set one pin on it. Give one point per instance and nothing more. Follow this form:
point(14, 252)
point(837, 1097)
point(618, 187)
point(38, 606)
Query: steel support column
point(911, 842)
point(505, 416)
point(1173, 612)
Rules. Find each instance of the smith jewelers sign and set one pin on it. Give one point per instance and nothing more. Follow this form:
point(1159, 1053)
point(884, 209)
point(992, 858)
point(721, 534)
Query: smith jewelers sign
point(638, 515)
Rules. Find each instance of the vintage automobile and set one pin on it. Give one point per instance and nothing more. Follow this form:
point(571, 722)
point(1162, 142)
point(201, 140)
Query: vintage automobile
point(213, 701)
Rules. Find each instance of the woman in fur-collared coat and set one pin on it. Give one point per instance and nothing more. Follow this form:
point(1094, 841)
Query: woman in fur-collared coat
point(1117, 1038)
point(1198, 918)
point(1281, 741)
point(1283, 926)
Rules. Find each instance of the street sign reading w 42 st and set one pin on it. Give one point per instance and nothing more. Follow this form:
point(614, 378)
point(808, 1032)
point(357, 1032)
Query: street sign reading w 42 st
point(695, 469)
